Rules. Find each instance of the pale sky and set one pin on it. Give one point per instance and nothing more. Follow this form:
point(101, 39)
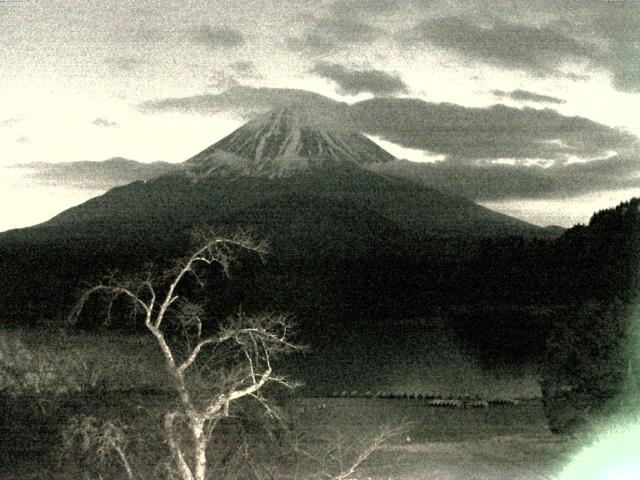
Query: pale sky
point(161, 80)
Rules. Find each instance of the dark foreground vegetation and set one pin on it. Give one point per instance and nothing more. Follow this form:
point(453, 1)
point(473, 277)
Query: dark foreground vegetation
point(564, 307)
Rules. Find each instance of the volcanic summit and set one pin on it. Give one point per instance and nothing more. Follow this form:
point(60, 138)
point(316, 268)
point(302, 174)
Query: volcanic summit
point(287, 141)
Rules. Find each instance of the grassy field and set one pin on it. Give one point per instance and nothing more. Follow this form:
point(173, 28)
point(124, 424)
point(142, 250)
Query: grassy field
point(498, 442)
point(59, 361)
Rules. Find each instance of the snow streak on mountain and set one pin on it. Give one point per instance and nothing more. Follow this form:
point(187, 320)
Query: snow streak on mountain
point(285, 141)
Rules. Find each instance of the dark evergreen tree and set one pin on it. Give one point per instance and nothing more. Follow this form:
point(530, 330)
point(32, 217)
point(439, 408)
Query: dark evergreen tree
point(591, 357)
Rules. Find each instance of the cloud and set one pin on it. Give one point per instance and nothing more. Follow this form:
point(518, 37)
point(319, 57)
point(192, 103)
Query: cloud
point(218, 36)
point(313, 42)
point(127, 64)
point(467, 135)
point(334, 34)
point(470, 139)
point(9, 122)
point(243, 67)
point(505, 182)
point(619, 27)
point(103, 122)
point(358, 81)
point(234, 74)
point(542, 37)
point(527, 96)
point(101, 175)
point(351, 8)
point(536, 49)
point(462, 134)
point(23, 139)
point(241, 100)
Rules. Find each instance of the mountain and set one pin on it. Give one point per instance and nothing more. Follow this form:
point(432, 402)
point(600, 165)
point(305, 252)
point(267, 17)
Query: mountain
point(296, 176)
point(353, 250)
point(312, 161)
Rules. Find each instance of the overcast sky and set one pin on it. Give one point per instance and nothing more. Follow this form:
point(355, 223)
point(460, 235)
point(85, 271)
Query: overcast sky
point(532, 105)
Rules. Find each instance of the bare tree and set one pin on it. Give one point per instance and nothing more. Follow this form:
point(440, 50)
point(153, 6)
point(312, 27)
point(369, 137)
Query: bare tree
point(209, 370)
point(344, 456)
point(98, 440)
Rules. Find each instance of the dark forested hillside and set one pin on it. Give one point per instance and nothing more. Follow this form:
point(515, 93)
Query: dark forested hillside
point(342, 218)
point(591, 363)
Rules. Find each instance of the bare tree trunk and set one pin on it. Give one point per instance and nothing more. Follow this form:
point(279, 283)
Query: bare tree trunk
point(176, 452)
point(200, 449)
point(124, 461)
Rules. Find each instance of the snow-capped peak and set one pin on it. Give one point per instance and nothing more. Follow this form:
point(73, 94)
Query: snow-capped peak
point(286, 141)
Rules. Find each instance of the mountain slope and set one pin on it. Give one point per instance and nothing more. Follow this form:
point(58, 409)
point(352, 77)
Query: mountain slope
point(178, 200)
point(293, 152)
point(297, 179)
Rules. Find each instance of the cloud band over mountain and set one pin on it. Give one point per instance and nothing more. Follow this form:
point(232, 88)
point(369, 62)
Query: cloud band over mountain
point(353, 82)
point(527, 96)
point(492, 152)
point(217, 36)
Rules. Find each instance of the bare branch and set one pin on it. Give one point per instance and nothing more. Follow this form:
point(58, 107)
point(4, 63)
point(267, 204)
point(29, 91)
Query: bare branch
point(214, 250)
point(269, 329)
point(268, 408)
point(114, 292)
point(374, 445)
point(194, 354)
